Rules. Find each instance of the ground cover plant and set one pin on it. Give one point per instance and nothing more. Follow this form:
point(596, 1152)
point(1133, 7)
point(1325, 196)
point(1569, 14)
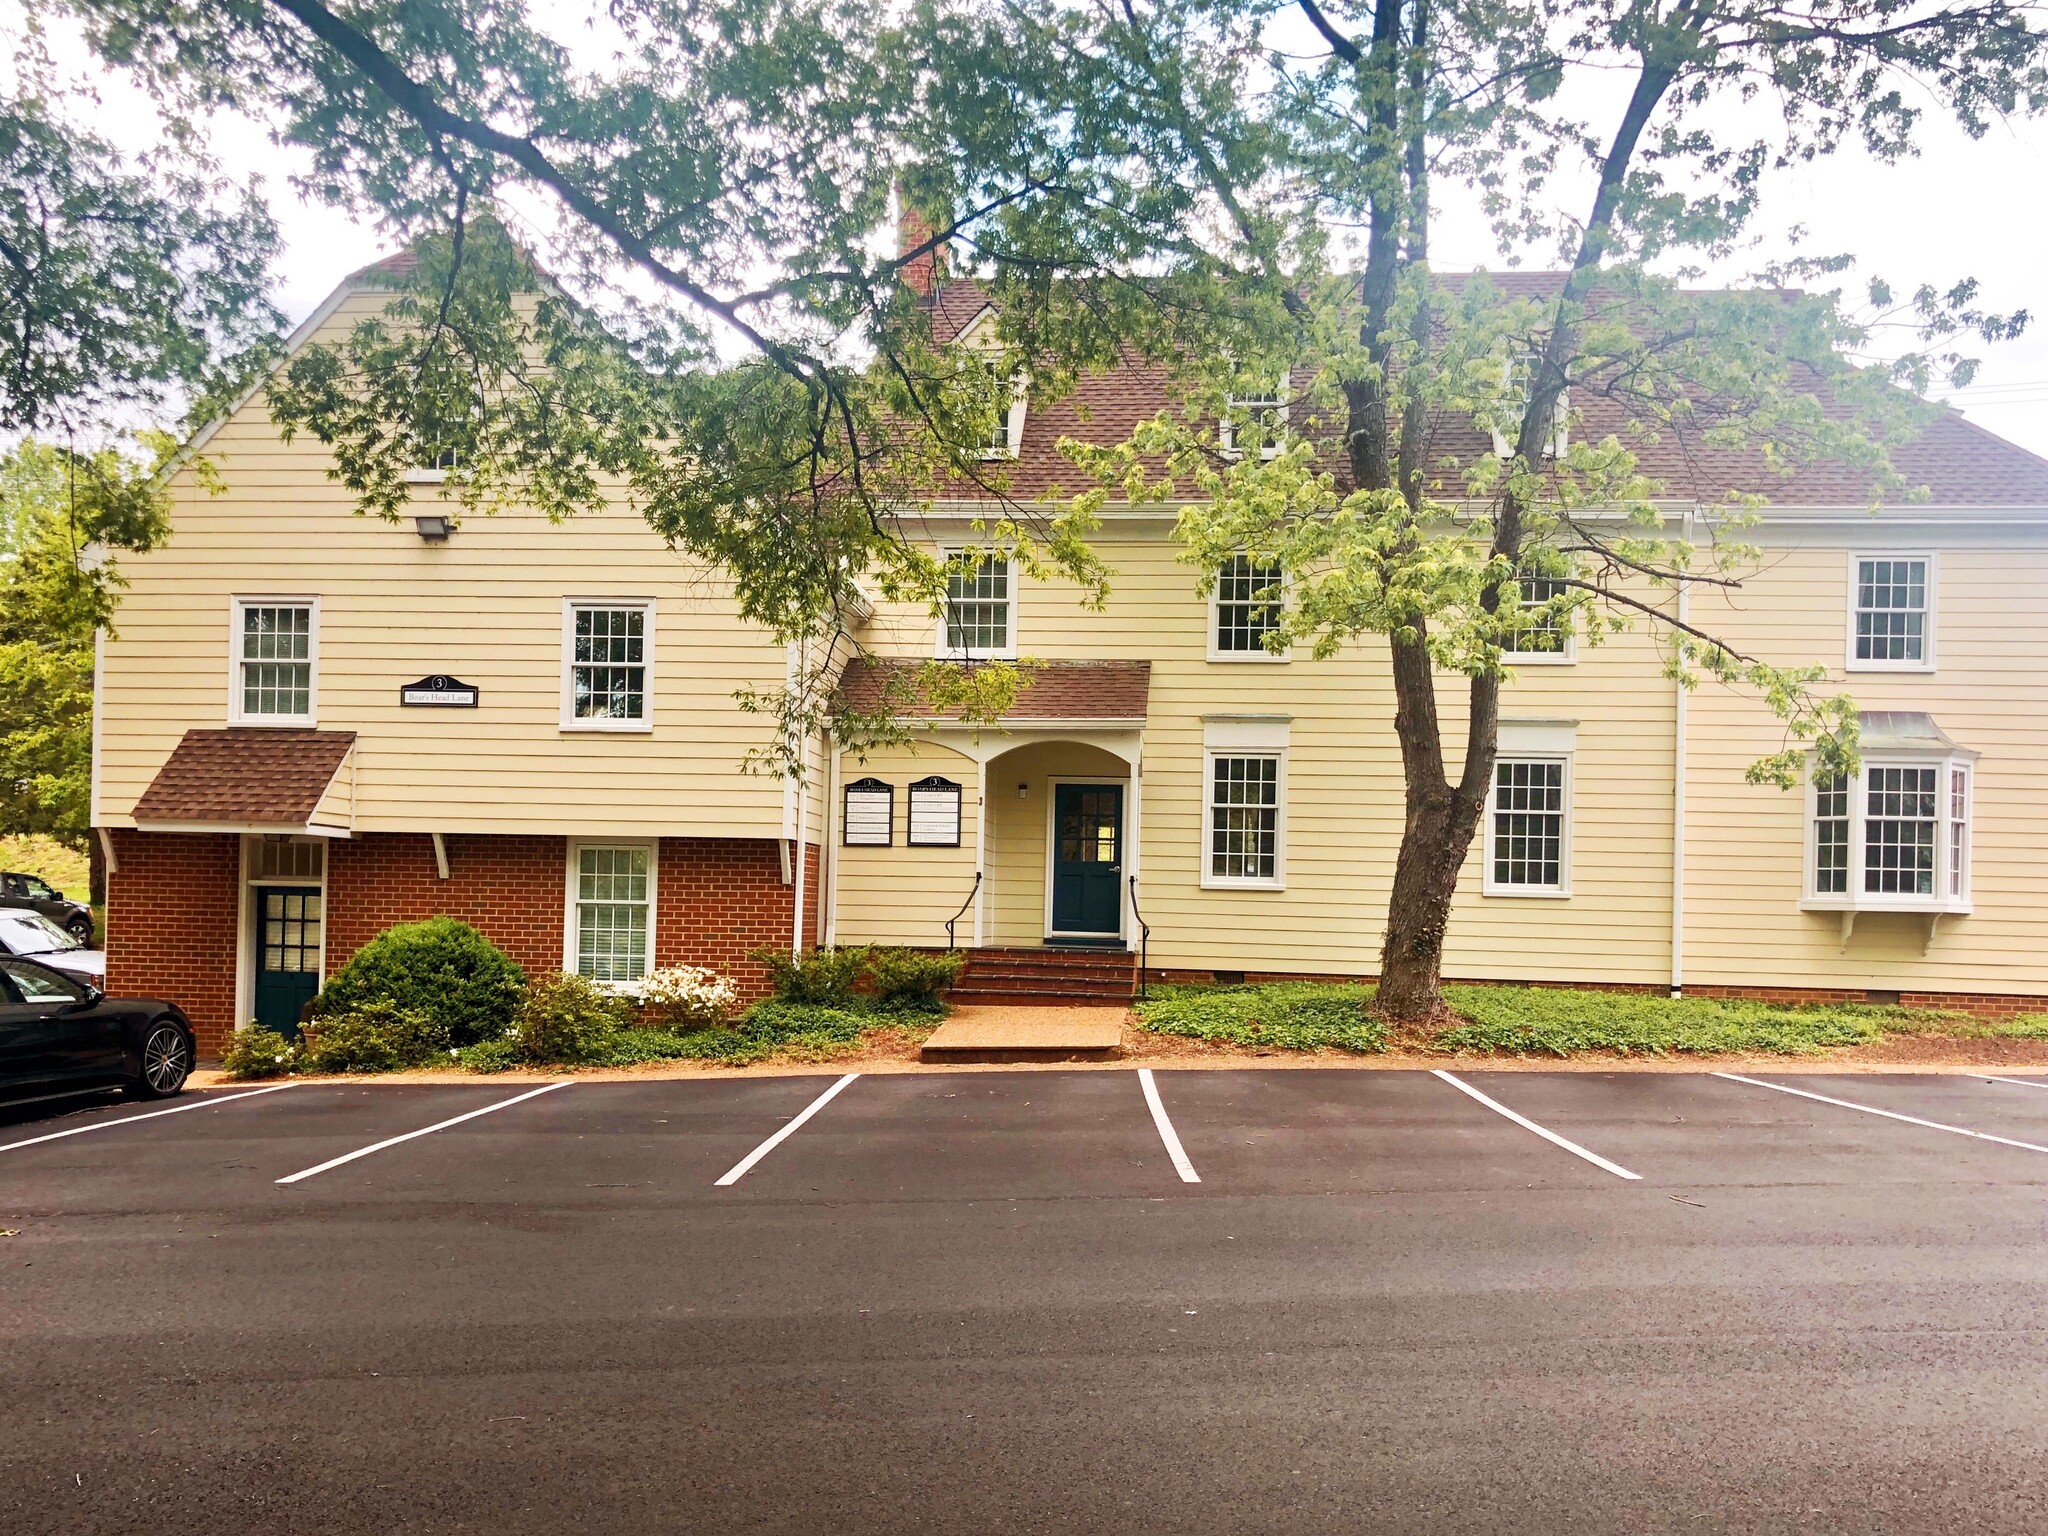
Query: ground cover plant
point(1551, 1021)
point(1293, 1016)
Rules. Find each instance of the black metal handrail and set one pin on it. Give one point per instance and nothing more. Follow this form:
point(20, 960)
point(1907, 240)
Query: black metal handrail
point(1144, 939)
point(963, 910)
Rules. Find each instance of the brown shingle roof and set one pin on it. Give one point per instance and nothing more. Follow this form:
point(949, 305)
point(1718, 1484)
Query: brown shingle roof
point(1055, 690)
point(248, 776)
point(1959, 463)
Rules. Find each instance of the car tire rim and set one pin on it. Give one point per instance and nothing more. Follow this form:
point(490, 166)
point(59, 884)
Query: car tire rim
point(163, 1060)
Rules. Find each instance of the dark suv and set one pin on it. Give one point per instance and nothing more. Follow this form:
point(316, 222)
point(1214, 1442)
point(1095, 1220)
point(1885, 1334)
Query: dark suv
point(36, 893)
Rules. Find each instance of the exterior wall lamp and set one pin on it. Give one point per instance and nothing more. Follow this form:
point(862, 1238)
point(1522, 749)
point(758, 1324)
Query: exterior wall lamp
point(433, 527)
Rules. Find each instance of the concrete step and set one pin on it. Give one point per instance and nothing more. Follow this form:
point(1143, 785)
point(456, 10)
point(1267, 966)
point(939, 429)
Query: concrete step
point(1027, 1033)
point(1038, 996)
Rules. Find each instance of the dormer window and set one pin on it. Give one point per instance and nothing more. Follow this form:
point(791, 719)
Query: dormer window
point(1005, 436)
point(1506, 423)
point(1260, 418)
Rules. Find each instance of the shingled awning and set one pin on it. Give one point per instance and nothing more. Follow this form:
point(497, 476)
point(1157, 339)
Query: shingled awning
point(254, 780)
point(1054, 691)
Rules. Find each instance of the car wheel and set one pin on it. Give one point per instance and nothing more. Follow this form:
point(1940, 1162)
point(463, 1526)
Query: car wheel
point(166, 1062)
point(80, 928)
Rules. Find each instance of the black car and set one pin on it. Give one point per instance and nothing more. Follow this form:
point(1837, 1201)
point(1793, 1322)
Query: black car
point(38, 895)
point(61, 1034)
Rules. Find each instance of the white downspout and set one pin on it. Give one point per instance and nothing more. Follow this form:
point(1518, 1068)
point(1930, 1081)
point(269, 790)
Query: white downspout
point(829, 848)
point(803, 809)
point(1678, 800)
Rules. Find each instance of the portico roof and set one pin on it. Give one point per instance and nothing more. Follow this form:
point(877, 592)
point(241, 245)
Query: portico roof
point(1052, 691)
point(253, 779)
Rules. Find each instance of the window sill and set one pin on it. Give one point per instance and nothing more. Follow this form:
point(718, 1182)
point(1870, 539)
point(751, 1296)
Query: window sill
point(991, 454)
point(275, 722)
point(1920, 668)
point(1256, 658)
point(425, 477)
point(608, 727)
point(1539, 658)
point(1919, 906)
point(943, 654)
point(1525, 892)
point(1218, 883)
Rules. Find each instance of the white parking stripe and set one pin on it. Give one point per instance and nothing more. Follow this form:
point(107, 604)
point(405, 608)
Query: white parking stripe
point(739, 1169)
point(1868, 1109)
point(108, 1125)
point(1530, 1125)
point(425, 1130)
point(1167, 1133)
point(2017, 1082)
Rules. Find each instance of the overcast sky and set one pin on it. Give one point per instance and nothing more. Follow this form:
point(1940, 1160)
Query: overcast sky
point(1961, 209)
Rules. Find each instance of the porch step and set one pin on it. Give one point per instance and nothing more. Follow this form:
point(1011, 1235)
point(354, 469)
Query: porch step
point(1026, 1033)
point(1047, 977)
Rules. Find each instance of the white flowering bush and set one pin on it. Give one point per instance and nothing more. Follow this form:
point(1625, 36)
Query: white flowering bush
point(687, 996)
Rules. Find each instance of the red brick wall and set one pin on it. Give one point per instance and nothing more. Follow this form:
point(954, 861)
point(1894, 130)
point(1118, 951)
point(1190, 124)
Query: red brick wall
point(171, 924)
point(171, 914)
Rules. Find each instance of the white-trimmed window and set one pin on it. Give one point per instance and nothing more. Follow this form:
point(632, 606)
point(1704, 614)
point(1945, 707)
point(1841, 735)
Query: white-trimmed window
point(1262, 416)
point(980, 617)
point(1245, 608)
point(611, 910)
point(1539, 637)
point(1005, 439)
point(1895, 838)
point(1891, 613)
point(607, 664)
point(275, 646)
point(1506, 424)
point(1528, 844)
point(1244, 802)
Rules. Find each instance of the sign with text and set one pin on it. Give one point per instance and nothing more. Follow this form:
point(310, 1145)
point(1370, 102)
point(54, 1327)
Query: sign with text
point(439, 691)
point(870, 816)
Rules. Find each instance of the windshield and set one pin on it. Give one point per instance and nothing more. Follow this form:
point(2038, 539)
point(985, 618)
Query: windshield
point(31, 933)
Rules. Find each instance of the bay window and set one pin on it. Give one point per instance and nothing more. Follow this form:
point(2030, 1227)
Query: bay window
point(1895, 836)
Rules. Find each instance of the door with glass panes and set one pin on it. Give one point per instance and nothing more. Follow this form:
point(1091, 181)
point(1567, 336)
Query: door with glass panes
point(288, 922)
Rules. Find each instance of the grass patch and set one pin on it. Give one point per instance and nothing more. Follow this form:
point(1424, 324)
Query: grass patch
point(30, 853)
point(1558, 1021)
point(768, 1031)
point(1288, 1016)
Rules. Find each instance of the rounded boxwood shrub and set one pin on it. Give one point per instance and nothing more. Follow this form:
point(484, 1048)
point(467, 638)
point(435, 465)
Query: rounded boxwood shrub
point(459, 981)
point(912, 979)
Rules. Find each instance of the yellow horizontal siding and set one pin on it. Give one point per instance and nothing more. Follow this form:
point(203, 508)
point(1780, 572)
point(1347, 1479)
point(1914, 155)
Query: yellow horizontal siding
point(901, 894)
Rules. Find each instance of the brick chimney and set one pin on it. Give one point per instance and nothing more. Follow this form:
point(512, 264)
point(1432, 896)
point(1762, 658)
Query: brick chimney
point(924, 273)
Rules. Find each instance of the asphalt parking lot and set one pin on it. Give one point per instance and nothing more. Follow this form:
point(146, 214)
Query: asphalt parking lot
point(1201, 1301)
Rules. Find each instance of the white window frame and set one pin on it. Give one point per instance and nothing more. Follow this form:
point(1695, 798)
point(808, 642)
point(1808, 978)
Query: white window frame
point(1280, 400)
point(237, 606)
point(1245, 738)
point(1856, 898)
point(1013, 423)
point(1564, 656)
point(1261, 654)
point(1533, 741)
point(1928, 625)
point(1004, 652)
point(1560, 431)
point(572, 933)
point(569, 719)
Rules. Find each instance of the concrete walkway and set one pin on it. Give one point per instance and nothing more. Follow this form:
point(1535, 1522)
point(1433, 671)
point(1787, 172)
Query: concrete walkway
point(997, 1032)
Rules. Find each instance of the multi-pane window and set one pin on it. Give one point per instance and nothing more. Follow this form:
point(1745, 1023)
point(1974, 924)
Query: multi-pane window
point(1244, 818)
point(1537, 633)
point(1899, 830)
point(998, 442)
point(1526, 850)
point(1831, 835)
point(607, 662)
point(1261, 417)
point(978, 605)
point(1891, 616)
point(274, 660)
point(291, 932)
point(1898, 836)
point(1247, 606)
point(612, 896)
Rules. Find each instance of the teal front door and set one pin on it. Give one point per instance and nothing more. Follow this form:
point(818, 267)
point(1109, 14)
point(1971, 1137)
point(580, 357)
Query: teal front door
point(288, 919)
point(1087, 860)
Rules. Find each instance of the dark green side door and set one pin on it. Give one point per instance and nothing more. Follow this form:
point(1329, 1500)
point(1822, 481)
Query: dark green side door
point(288, 921)
point(1088, 859)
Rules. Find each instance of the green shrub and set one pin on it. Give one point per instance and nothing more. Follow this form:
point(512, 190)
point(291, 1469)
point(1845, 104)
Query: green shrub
point(568, 1020)
point(1288, 1015)
point(378, 1036)
point(912, 979)
point(1556, 1021)
point(2028, 1026)
point(464, 984)
point(500, 1055)
point(824, 976)
point(254, 1051)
